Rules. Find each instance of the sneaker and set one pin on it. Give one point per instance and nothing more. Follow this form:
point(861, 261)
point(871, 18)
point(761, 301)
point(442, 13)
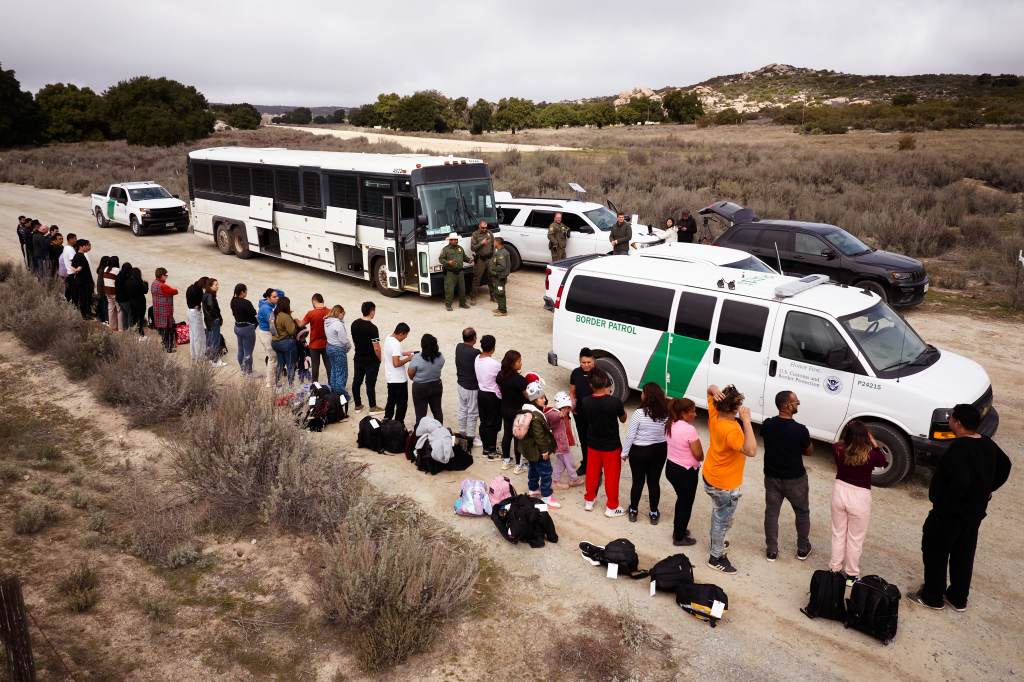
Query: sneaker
point(802, 556)
point(722, 564)
point(685, 541)
point(959, 609)
point(491, 455)
point(916, 597)
point(448, 307)
point(614, 513)
point(376, 409)
point(654, 517)
point(358, 408)
point(506, 465)
point(588, 505)
point(575, 484)
point(477, 442)
point(771, 556)
point(533, 493)
point(463, 305)
point(632, 515)
point(552, 503)
point(519, 469)
point(219, 363)
point(499, 313)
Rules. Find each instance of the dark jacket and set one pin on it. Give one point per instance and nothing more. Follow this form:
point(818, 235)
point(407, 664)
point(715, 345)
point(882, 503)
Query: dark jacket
point(40, 244)
point(621, 233)
point(966, 476)
point(538, 440)
point(211, 310)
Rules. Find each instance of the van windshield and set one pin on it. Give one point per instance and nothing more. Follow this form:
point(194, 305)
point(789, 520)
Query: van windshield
point(886, 340)
point(145, 193)
point(752, 263)
point(603, 217)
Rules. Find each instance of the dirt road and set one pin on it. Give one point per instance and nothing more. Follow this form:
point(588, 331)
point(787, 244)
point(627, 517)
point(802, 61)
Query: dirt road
point(434, 144)
point(764, 634)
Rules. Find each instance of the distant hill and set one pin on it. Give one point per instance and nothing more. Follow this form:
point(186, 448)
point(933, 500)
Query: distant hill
point(777, 85)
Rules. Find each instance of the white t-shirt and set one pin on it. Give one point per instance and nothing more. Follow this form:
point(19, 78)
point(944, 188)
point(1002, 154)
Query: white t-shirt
point(393, 348)
point(65, 259)
point(487, 369)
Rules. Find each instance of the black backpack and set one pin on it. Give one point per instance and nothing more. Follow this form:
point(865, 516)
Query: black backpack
point(828, 592)
point(369, 433)
point(671, 572)
point(424, 460)
point(519, 520)
point(621, 552)
point(393, 435)
point(326, 408)
point(874, 608)
point(699, 601)
point(461, 459)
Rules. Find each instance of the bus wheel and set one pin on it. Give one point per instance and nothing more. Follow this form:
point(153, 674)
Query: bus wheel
point(241, 243)
point(620, 385)
point(379, 270)
point(515, 261)
point(896, 449)
point(224, 241)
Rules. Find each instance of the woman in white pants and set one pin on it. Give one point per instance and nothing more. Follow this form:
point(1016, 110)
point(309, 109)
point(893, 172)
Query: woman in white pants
point(196, 326)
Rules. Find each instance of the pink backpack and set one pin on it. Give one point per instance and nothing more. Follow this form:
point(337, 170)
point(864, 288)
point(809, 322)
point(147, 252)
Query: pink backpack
point(499, 489)
point(473, 499)
point(521, 426)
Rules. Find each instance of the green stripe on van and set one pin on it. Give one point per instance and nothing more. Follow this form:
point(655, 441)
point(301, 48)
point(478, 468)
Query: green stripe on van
point(679, 359)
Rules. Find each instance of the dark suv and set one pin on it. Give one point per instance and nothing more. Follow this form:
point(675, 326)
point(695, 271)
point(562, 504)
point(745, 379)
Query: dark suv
point(817, 248)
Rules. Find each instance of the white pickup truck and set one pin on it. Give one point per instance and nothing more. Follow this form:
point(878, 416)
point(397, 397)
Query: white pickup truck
point(142, 206)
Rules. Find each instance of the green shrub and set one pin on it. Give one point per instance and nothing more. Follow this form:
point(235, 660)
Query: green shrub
point(9, 473)
point(79, 588)
point(34, 516)
point(183, 555)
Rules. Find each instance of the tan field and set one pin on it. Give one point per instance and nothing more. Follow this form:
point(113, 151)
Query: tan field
point(764, 635)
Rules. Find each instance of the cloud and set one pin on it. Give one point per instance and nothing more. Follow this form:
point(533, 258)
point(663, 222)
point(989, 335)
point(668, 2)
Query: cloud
point(319, 52)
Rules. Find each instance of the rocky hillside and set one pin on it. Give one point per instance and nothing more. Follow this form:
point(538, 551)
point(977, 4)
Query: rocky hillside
point(782, 84)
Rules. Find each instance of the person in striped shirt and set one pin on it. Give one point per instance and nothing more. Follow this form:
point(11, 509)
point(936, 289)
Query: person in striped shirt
point(646, 450)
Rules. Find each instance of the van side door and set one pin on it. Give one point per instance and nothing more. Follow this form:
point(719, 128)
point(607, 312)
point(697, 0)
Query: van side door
point(740, 347)
point(810, 356)
point(688, 343)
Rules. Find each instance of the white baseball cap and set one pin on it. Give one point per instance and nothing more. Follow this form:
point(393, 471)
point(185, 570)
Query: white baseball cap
point(453, 235)
point(562, 399)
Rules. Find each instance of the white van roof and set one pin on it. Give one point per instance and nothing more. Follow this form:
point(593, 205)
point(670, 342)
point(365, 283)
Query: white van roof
point(833, 299)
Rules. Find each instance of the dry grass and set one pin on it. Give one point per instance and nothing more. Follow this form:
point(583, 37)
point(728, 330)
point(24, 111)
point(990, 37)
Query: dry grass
point(34, 516)
point(168, 391)
point(391, 587)
point(79, 588)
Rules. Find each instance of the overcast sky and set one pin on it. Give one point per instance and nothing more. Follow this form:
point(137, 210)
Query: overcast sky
point(333, 52)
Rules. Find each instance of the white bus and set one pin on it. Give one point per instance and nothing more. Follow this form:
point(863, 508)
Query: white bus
point(383, 218)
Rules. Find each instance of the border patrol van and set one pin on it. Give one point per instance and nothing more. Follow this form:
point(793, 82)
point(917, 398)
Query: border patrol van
point(844, 351)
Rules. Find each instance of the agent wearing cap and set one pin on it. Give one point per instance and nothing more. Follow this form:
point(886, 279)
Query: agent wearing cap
point(452, 258)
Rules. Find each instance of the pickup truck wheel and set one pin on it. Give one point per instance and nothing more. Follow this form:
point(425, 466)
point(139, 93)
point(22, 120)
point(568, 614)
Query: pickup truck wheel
point(379, 269)
point(100, 220)
point(136, 227)
point(620, 385)
point(515, 261)
point(875, 288)
point(241, 243)
point(224, 240)
point(896, 448)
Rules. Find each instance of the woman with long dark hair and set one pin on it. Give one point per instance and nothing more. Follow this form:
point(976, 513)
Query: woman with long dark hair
point(284, 343)
point(512, 385)
point(425, 372)
point(645, 449)
point(212, 320)
point(856, 455)
point(100, 296)
point(245, 327)
point(685, 453)
point(108, 288)
point(122, 296)
point(137, 290)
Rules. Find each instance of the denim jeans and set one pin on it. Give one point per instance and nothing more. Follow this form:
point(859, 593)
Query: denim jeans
point(213, 342)
point(725, 503)
point(245, 335)
point(338, 370)
point(287, 355)
point(539, 477)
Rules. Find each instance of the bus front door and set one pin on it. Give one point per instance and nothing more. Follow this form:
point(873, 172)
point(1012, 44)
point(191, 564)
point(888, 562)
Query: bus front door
point(407, 243)
point(392, 254)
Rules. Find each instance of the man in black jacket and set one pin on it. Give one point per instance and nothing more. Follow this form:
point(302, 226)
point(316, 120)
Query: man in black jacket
point(25, 239)
point(963, 482)
point(687, 228)
point(40, 249)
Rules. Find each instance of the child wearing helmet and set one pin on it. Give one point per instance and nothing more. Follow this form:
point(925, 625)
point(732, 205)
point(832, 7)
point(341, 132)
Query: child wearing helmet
point(559, 419)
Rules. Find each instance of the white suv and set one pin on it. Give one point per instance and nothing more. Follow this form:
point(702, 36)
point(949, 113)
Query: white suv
point(524, 227)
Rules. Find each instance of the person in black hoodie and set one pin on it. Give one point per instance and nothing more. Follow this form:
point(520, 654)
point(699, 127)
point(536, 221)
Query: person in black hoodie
point(963, 482)
point(212, 320)
point(137, 290)
point(122, 295)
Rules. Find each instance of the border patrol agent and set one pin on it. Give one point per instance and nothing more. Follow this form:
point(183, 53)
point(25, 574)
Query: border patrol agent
point(558, 233)
point(499, 269)
point(482, 246)
point(452, 258)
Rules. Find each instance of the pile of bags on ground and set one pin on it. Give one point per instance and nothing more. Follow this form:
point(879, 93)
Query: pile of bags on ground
point(518, 518)
point(433, 448)
point(314, 406)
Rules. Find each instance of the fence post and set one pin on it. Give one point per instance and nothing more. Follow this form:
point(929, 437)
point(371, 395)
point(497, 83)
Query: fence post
point(14, 631)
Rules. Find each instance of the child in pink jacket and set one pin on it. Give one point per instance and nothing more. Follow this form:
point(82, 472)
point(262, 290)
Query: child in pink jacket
point(560, 420)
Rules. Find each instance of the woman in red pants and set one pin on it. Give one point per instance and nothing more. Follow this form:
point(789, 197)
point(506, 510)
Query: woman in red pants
point(603, 413)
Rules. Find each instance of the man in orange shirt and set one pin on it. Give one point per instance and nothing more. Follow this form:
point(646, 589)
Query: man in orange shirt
point(317, 336)
point(732, 442)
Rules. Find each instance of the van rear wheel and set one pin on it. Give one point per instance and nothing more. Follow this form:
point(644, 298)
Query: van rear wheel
point(896, 448)
point(101, 221)
point(620, 384)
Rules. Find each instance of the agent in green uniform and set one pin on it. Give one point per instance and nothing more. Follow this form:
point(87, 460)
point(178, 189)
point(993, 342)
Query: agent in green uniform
point(452, 258)
point(620, 235)
point(482, 246)
point(558, 233)
point(499, 269)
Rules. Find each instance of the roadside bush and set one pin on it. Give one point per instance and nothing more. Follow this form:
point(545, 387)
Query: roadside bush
point(906, 143)
point(42, 325)
point(79, 588)
point(7, 268)
point(146, 382)
point(313, 491)
point(155, 608)
point(34, 516)
point(9, 473)
point(158, 531)
point(83, 348)
point(393, 590)
point(575, 655)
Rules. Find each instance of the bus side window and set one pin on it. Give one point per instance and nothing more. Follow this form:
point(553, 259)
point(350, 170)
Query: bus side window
point(201, 175)
point(311, 189)
point(342, 191)
point(240, 182)
point(263, 182)
point(286, 183)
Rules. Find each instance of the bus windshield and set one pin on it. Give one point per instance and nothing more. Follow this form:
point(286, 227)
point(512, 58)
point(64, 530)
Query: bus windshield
point(457, 206)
